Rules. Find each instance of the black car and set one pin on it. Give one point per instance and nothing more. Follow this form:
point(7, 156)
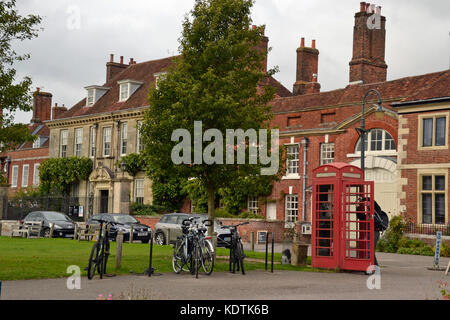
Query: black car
point(123, 223)
point(169, 228)
point(64, 227)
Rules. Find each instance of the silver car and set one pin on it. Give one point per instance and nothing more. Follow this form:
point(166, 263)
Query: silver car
point(169, 228)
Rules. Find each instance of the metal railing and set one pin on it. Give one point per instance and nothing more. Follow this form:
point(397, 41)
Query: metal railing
point(426, 229)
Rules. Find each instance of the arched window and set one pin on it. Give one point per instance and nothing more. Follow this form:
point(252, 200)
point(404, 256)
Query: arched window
point(377, 140)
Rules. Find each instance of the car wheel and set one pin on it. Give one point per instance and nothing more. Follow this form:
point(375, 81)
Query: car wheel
point(160, 238)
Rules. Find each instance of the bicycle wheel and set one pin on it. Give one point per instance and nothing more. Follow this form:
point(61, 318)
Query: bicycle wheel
point(93, 260)
point(207, 257)
point(241, 256)
point(105, 255)
point(101, 265)
point(178, 257)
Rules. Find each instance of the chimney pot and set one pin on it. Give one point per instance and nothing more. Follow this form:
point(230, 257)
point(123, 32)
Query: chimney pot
point(379, 10)
point(362, 7)
point(302, 43)
point(111, 58)
point(313, 44)
point(367, 7)
point(372, 8)
point(121, 59)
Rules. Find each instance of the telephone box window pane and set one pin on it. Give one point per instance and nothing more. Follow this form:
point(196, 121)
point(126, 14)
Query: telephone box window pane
point(427, 132)
point(440, 131)
point(427, 183)
point(427, 208)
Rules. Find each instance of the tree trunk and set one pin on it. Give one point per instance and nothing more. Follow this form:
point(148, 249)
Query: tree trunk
point(211, 209)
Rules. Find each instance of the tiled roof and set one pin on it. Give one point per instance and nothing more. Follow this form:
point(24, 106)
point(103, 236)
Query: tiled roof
point(143, 72)
point(426, 86)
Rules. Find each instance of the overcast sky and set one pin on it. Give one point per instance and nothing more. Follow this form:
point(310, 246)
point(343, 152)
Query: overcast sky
point(71, 53)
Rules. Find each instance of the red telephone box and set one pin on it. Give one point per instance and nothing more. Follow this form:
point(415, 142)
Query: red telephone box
point(342, 218)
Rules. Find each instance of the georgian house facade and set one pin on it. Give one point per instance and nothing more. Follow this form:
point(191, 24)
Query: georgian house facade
point(104, 127)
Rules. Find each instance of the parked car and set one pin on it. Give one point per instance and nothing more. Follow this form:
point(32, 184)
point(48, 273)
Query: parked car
point(123, 223)
point(169, 228)
point(63, 226)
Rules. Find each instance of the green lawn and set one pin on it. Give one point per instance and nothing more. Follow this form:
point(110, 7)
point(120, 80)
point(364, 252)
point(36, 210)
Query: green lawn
point(49, 258)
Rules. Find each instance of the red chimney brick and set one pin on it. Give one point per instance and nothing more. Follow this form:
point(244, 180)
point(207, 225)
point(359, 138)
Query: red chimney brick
point(368, 63)
point(307, 69)
point(58, 111)
point(114, 68)
point(42, 104)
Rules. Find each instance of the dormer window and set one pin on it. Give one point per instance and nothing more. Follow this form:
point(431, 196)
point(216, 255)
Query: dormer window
point(37, 143)
point(94, 93)
point(127, 88)
point(158, 76)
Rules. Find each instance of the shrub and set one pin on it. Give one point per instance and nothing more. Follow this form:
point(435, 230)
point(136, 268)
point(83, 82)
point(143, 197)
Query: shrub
point(223, 213)
point(445, 250)
point(422, 251)
point(389, 242)
point(139, 209)
point(250, 215)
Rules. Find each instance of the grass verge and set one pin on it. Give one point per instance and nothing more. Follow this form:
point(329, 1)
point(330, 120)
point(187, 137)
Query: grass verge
point(22, 258)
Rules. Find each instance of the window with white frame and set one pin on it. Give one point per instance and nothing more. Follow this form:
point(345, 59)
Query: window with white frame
point(252, 204)
point(106, 141)
point(377, 140)
point(36, 178)
point(291, 208)
point(139, 144)
point(293, 159)
point(92, 142)
point(123, 138)
point(14, 176)
point(139, 190)
point(78, 142)
point(25, 175)
point(90, 97)
point(37, 143)
point(124, 91)
point(433, 200)
point(326, 153)
point(63, 143)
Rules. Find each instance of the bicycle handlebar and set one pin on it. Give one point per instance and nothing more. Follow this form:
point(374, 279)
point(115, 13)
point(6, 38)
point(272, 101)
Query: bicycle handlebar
point(236, 225)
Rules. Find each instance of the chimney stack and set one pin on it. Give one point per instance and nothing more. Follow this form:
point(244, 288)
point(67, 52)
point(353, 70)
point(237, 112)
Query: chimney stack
point(369, 42)
point(307, 69)
point(263, 47)
point(58, 111)
point(114, 68)
point(42, 104)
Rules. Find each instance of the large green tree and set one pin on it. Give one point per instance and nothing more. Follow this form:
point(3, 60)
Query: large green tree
point(14, 95)
point(216, 80)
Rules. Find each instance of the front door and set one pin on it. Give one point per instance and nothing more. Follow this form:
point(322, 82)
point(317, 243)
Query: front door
point(104, 197)
point(271, 211)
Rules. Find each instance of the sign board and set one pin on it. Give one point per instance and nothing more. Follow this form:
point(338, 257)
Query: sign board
point(80, 211)
point(438, 248)
point(262, 236)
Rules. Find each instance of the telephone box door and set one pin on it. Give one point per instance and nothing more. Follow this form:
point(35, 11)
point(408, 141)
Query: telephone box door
point(326, 225)
point(357, 226)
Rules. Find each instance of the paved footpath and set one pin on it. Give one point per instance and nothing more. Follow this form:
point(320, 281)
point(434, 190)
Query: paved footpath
point(402, 277)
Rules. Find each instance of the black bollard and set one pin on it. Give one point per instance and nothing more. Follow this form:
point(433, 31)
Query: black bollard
point(271, 266)
point(267, 247)
point(150, 269)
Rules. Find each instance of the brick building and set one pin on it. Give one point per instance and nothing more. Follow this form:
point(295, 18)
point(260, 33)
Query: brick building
point(424, 156)
point(22, 164)
point(327, 122)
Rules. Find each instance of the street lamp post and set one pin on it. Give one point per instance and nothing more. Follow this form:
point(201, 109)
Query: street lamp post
point(362, 131)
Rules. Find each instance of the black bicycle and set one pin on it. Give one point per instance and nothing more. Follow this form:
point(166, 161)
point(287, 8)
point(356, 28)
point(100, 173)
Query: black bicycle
point(100, 251)
point(193, 249)
point(237, 253)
